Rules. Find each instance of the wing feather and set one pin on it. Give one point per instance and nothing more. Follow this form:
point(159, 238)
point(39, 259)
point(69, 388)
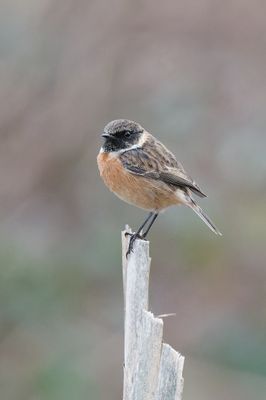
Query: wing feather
point(156, 162)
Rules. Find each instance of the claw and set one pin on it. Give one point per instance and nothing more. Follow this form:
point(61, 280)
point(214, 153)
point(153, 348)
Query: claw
point(128, 234)
point(133, 237)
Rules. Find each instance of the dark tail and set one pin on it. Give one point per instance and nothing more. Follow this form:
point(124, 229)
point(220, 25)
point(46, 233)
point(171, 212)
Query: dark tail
point(204, 217)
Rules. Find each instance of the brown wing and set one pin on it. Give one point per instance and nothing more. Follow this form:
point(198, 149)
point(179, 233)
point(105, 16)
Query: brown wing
point(154, 161)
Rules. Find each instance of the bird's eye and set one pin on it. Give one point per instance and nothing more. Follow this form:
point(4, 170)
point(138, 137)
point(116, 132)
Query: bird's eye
point(127, 134)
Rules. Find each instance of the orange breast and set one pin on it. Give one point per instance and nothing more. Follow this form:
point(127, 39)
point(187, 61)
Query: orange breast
point(143, 193)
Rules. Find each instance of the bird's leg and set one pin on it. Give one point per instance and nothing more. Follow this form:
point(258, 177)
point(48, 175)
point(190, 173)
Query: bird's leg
point(155, 215)
point(136, 235)
point(141, 227)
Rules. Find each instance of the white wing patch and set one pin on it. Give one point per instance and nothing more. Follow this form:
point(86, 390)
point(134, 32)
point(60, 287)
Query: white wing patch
point(182, 196)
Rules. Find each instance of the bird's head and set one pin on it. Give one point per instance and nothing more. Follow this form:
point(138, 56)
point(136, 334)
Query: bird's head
point(121, 134)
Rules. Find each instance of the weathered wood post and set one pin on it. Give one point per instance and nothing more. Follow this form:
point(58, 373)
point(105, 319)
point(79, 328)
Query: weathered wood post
point(152, 369)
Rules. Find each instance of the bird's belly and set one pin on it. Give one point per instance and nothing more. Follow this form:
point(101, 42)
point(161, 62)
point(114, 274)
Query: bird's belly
point(143, 193)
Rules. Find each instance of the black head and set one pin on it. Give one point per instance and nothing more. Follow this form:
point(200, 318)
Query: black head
point(121, 134)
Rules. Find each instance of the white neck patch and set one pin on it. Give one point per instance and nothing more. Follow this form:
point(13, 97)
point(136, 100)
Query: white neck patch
point(135, 146)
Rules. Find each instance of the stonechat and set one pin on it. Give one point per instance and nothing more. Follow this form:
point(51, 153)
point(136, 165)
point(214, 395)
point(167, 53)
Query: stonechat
point(142, 171)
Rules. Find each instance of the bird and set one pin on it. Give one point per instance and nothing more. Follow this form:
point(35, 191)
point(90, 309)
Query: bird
point(140, 170)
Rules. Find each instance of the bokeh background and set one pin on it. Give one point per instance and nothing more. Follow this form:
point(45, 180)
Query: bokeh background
point(191, 72)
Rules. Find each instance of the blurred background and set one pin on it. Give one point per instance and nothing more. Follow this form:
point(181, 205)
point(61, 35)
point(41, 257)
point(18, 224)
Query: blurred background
point(191, 72)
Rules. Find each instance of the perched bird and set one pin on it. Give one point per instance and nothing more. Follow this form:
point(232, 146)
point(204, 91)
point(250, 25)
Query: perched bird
point(142, 171)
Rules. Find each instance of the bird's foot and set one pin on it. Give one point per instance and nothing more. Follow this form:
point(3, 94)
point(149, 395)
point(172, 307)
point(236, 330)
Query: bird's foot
point(129, 234)
point(133, 237)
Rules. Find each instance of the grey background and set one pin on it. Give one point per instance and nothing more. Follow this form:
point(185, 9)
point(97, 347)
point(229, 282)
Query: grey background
point(192, 73)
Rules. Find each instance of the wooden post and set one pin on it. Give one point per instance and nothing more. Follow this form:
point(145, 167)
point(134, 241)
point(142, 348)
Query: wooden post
point(152, 370)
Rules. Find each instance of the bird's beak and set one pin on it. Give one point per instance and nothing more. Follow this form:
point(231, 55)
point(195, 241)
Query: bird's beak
point(106, 135)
